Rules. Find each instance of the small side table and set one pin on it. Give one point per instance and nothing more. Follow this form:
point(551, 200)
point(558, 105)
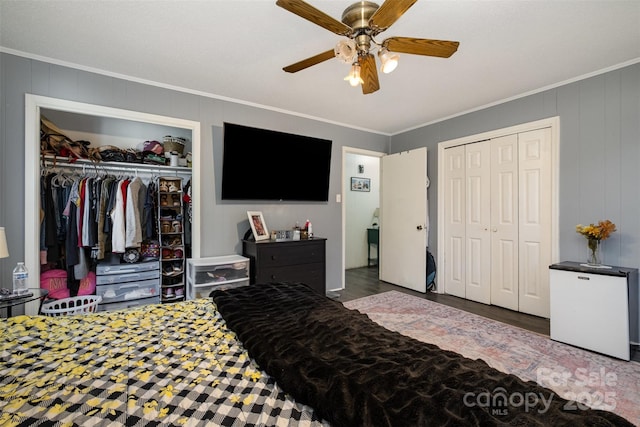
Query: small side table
point(36, 294)
point(373, 238)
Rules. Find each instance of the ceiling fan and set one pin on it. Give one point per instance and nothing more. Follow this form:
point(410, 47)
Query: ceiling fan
point(361, 22)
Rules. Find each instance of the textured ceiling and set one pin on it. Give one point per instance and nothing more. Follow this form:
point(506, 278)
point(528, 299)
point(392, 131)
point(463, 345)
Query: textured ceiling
point(236, 50)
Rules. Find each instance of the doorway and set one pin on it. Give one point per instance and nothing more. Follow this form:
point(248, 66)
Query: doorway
point(359, 206)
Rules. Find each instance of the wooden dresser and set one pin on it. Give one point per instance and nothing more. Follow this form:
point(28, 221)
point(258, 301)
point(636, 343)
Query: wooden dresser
point(288, 261)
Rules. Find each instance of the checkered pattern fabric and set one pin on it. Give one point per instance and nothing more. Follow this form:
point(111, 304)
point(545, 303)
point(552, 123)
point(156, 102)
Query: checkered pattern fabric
point(174, 364)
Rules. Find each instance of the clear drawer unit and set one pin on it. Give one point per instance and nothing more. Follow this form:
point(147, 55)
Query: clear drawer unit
point(127, 285)
point(223, 272)
point(594, 308)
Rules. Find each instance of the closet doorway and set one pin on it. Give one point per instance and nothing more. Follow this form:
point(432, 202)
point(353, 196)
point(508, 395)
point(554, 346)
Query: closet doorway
point(34, 105)
point(497, 200)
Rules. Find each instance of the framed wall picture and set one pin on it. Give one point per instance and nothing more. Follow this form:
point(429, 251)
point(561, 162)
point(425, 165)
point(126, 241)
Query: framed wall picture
point(258, 226)
point(360, 184)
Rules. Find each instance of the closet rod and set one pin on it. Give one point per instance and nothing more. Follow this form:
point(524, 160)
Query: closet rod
point(91, 166)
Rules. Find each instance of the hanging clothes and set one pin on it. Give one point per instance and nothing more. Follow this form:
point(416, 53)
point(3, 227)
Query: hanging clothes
point(91, 217)
point(149, 216)
point(118, 219)
point(133, 227)
point(103, 201)
point(70, 212)
point(51, 244)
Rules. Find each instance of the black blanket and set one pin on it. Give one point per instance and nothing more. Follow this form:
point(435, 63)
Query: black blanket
point(354, 372)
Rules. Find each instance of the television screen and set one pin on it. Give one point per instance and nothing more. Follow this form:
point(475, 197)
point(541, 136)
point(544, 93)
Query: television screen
point(260, 164)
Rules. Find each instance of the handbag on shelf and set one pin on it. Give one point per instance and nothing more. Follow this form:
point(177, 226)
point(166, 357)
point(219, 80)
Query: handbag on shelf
point(54, 142)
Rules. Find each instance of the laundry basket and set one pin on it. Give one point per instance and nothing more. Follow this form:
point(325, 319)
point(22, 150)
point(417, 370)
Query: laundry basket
point(71, 305)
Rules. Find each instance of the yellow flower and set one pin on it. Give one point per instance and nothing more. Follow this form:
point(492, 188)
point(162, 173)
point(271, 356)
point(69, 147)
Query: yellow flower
point(167, 391)
point(601, 231)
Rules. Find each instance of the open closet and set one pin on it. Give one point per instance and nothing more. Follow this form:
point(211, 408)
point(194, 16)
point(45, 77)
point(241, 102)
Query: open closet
point(127, 262)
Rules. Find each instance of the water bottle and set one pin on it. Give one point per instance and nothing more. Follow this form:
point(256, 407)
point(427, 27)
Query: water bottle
point(20, 279)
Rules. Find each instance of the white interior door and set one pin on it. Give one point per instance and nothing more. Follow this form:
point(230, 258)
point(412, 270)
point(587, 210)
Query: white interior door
point(454, 221)
point(534, 148)
point(477, 222)
point(403, 219)
point(504, 221)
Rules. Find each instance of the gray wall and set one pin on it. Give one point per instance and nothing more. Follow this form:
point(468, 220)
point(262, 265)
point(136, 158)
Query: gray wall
point(599, 156)
point(223, 223)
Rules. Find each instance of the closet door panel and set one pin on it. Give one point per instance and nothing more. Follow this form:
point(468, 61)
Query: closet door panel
point(504, 222)
point(454, 222)
point(534, 149)
point(478, 220)
point(504, 282)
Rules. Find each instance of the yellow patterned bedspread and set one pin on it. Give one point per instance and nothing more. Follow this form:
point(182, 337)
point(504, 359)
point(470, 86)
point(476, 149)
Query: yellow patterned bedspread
point(172, 364)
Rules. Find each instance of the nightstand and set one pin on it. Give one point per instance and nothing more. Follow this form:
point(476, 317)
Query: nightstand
point(32, 295)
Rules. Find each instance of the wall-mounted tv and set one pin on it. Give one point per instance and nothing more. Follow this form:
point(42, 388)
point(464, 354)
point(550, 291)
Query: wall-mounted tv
point(260, 164)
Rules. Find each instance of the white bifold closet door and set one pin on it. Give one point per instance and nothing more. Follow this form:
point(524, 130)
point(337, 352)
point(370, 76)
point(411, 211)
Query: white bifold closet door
point(498, 221)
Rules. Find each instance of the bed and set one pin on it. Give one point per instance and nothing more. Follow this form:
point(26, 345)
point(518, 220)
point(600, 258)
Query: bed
point(267, 355)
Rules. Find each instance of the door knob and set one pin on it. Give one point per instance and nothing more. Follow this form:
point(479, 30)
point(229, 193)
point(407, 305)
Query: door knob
point(419, 227)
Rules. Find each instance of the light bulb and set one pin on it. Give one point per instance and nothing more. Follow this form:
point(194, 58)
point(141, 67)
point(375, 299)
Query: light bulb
point(389, 60)
point(354, 75)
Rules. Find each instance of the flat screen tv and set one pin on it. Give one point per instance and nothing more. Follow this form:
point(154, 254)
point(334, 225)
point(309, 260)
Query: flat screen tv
point(260, 164)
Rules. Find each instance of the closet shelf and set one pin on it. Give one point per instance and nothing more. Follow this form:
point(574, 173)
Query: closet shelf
point(87, 165)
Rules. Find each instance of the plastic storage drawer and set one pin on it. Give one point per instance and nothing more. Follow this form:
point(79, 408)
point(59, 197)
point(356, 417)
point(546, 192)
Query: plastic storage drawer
point(203, 291)
point(129, 290)
point(222, 272)
point(128, 304)
point(102, 269)
point(126, 277)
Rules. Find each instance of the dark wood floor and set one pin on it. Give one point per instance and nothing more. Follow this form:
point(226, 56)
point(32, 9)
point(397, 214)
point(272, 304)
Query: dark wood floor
point(362, 282)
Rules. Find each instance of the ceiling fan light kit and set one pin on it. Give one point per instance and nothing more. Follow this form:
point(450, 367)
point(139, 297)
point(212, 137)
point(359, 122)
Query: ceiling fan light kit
point(388, 60)
point(354, 75)
point(361, 22)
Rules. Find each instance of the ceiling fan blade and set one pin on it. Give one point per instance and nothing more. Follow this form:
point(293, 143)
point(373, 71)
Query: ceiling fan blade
point(441, 48)
point(310, 13)
point(368, 73)
point(389, 13)
point(306, 63)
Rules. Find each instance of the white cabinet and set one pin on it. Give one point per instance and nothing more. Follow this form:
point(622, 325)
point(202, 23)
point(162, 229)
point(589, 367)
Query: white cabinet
point(223, 272)
point(594, 308)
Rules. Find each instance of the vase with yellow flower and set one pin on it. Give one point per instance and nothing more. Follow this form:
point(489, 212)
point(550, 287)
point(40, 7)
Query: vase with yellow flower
point(595, 234)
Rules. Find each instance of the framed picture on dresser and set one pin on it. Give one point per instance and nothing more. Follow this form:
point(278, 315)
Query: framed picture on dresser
point(258, 226)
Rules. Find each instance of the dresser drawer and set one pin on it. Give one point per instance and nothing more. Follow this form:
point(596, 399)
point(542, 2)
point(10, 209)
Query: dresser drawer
point(127, 277)
point(293, 273)
point(128, 291)
point(275, 255)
